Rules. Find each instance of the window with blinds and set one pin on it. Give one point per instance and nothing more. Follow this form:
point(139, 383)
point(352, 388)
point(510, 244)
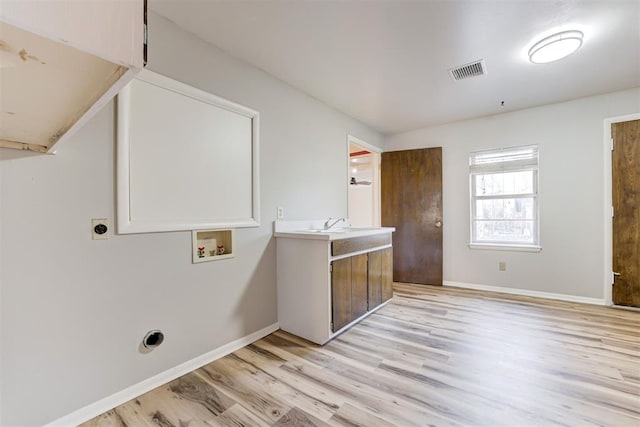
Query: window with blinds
point(504, 197)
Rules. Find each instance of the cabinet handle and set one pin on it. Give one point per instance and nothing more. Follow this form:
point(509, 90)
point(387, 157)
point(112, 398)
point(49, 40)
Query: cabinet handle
point(438, 224)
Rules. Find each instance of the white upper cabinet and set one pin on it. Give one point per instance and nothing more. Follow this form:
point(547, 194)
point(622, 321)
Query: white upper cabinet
point(61, 61)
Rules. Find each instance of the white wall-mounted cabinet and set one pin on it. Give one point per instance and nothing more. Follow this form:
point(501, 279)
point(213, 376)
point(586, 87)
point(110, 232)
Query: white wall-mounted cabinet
point(61, 62)
point(186, 160)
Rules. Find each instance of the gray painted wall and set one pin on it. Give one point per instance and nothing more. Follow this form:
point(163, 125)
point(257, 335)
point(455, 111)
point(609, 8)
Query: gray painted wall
point(571, 193)
point(73, 310)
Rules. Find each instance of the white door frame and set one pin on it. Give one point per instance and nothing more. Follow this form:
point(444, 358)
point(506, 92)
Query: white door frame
point(375, 179)
point(608, 203)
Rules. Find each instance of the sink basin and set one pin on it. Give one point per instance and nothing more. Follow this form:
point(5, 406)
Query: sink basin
point(360, 228)
point(341, 230)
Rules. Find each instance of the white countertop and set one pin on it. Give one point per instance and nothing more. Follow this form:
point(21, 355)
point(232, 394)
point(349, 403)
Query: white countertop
point(312, 229)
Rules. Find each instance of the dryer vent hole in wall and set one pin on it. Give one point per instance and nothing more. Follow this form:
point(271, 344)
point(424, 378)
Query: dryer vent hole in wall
point(153, 339)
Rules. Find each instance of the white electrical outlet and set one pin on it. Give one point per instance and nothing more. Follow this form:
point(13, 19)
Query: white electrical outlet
point(99, 228)
point(502, 266)
point(280, 212)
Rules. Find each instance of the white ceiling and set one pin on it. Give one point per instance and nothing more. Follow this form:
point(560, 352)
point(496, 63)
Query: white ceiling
point(386, 62)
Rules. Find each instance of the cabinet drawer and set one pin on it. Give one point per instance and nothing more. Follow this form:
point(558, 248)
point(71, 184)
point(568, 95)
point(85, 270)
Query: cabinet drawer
point(346, 246)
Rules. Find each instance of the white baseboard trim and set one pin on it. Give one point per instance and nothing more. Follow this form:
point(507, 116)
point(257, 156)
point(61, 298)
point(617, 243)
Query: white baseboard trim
point(93, 410)
point(526, 292)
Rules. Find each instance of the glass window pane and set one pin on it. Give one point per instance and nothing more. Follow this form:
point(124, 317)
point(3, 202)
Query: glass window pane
point(504, 196)
point(515, 208)
point(489, 184)
point(505, 231)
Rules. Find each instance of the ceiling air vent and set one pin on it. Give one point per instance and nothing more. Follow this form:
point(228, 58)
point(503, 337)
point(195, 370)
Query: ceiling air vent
point(472, 69)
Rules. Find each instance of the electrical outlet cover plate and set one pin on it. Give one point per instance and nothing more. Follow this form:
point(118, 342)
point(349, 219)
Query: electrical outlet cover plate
point(99, 228)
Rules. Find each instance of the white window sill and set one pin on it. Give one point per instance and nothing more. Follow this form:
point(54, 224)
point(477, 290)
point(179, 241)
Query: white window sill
point(499, 247)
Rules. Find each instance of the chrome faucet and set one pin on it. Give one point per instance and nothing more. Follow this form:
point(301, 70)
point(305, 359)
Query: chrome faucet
point(328, 226)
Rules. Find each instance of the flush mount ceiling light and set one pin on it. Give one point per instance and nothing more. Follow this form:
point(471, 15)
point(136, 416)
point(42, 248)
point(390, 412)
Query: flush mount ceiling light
point(555, 47)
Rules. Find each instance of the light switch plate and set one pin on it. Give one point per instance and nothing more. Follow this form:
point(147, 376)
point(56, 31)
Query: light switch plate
point(99, 228)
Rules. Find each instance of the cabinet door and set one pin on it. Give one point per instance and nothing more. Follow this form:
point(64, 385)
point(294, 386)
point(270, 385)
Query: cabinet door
point(358, 286)
point(386, 274)
point(375, 279)
point(341, 293)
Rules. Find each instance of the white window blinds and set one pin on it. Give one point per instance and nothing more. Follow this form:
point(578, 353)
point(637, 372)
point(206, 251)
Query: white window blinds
point(504, 159)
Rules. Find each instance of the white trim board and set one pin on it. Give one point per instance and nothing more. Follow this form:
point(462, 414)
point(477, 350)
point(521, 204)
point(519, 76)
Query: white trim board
point(363, 144)
point(94, 409)
point(526, 292)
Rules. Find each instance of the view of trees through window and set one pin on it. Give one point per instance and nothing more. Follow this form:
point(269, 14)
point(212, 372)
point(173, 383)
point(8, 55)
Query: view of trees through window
point(510, 217)
point(504, 205)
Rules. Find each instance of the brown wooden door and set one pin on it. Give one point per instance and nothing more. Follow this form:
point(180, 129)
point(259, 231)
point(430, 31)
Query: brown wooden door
point(348, 289)
point(375, 279)
point(380, 277)
point(412, 202)
point(387, 274)
point(358, 285)
point(341, 292)
point(626, 210)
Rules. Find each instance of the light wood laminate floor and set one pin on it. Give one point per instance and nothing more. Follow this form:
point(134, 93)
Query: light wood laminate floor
point(432, 356)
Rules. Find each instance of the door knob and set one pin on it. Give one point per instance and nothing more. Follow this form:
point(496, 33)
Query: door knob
point(616, 274)
point(438, 224)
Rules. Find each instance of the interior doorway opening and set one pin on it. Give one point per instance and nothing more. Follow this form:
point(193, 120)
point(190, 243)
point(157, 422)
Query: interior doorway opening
point(363, 183)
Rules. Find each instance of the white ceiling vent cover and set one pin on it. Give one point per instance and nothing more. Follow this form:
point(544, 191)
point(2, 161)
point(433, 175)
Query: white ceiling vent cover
point(472, 69)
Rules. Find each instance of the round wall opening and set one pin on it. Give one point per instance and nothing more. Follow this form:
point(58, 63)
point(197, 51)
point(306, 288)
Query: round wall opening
point(153, 339)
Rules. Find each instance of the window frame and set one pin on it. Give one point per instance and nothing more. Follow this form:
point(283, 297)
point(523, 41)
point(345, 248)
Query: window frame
point(531, 163)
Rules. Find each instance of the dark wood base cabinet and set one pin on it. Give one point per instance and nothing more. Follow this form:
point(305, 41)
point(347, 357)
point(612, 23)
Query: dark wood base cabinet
point(359, 284)
point(329, 281)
